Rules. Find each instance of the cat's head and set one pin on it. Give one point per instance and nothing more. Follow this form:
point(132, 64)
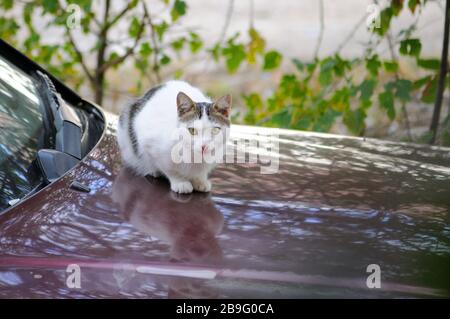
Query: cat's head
point(206, 124)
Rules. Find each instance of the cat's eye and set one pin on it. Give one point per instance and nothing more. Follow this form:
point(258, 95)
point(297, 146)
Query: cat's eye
point(192, 130)
point(215, 130)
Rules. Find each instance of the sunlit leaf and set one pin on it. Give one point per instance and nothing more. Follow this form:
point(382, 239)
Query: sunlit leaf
point(390, 66)
point(134, 27)
point(354, 120)
point(386, 101)
point(178, 9)
point(373, 64)
point(256, 45)
point(410, 47)
point(272, 60)
point(429, 64)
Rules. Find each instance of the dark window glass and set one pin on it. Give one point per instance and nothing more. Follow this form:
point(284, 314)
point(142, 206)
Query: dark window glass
point(21, 132)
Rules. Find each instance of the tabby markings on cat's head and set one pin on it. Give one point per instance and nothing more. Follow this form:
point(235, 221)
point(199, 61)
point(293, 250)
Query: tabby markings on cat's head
point(217, 111)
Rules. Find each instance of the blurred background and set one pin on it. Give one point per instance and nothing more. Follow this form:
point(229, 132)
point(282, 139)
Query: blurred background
point(355, 67)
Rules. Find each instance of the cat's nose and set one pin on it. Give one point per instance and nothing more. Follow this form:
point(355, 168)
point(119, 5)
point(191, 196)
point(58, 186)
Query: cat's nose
point(204, 148)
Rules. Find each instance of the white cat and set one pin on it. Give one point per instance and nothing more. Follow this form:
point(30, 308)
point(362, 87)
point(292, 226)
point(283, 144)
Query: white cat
point(146, 134)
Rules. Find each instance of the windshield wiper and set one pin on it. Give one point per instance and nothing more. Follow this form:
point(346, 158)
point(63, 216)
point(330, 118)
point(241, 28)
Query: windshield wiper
point(53, 163)
point(65, 120)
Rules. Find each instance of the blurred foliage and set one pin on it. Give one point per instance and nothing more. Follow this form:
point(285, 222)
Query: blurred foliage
point(321, 91)
point(313, 96)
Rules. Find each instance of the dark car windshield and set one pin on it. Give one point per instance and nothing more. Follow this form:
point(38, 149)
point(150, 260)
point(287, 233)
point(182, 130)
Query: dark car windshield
point(21, 132)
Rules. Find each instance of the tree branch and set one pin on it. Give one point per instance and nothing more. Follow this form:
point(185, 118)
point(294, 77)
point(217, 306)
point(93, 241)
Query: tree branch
point(154, 43)
point(119, 15)
point(129, 51)
point(322, 27)
point(80, 56)
point(442, 74)
point(227, 21)
point(352, 33)
point(78, 52)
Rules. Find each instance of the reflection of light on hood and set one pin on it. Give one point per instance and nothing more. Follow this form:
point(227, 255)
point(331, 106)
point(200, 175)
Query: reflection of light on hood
point(165, 270)
point(10, 278)
point(15, 79)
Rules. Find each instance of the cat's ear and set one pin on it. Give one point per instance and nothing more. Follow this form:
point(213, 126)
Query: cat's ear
point(184, 104)
point(223, 105)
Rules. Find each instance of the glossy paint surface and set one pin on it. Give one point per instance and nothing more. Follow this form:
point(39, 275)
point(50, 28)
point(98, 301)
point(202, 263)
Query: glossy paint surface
point(335, 206)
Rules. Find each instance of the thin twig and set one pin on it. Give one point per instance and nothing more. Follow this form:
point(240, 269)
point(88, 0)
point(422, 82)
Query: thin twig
point(226, 24)
point(119, 15)
point(129, 51)
point(352, 33)
point(322, 28)
point(154, 43)
point(442, 75)
point(252, 14)
point(77, 51)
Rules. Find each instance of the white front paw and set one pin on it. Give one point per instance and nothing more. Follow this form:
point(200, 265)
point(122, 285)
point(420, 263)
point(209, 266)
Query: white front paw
point(201, 185)
point(181, 187)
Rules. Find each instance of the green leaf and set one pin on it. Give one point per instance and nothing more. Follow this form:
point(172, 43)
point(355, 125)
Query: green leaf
point(390, 66)
point(373, 64)
point(354, 120)
point(161, 29)
point(178, 44)
point(253, 101)
point(178, 74)
point(429, 64)
point(8, 28)
point(254, 104)
point(195, 43)
point(410, 47)
point(145, 49)
point(397, 6)
point(326, 120)
point(28, 14)
point(386, 100)
point(421, 82)
point(272, 60)
point(178, 9)
point(385, 21)
point(429, 92)
point(215, 52)
point(234, 55)
point(340, 65)
point(298, 64)
point(6, 4)
point(412, 5)
point(113, 56)
point(341, 99)
point(32, 41)
point(256, 45)
point(281, 119)
point(134, 27)
point(165, 60)
point(326, 71)
point(403, 90)
point(304, 122)
point(50, 6)
point(366, 88)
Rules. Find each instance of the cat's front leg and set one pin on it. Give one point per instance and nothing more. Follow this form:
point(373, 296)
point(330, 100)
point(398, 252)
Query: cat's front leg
point(181, 186)
point(201, 183)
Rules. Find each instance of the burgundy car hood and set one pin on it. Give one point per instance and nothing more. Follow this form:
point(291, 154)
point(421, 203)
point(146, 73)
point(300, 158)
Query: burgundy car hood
point(335, 206)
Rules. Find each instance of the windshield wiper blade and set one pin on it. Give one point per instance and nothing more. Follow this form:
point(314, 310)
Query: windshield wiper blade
point(66, 122)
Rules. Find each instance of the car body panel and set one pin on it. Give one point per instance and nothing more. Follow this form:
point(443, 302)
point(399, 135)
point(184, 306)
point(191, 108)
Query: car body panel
point(336, 205)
